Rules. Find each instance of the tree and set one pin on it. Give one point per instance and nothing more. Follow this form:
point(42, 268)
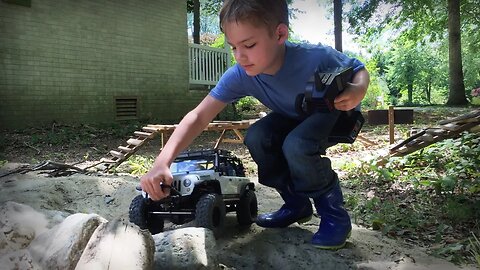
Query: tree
point(194, 6)
point(419, 21)
point(337, 21)
point(207, 7)
point(196, 21)
point(457, 88)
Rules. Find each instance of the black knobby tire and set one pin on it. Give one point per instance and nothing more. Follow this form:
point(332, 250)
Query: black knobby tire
point(138, 214)
point(247, 208)
point(210, 213)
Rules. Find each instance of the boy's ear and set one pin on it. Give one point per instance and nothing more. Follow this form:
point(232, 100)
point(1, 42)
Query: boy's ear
point(281, 33)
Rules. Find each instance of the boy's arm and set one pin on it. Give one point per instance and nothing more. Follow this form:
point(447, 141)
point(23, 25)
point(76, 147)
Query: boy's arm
point(354, 93)
point(187, 130)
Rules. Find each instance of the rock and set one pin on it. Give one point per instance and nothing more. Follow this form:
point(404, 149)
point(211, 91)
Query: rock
point(20, 259)
point(62, 246)
point(19, 225)
point(118, 245)
point(186, 248)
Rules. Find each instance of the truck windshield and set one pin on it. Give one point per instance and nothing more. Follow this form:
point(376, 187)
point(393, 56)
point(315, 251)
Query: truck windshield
point(190, 165)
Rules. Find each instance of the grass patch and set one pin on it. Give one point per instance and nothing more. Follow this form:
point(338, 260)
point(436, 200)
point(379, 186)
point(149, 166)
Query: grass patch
point(422, 197)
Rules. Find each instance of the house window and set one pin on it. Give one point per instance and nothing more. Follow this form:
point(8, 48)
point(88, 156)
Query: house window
point(126, 108)
point(25, 3)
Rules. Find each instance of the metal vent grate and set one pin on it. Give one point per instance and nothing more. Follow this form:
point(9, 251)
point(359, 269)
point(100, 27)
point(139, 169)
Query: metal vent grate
point(126, 108)
point(25, 3)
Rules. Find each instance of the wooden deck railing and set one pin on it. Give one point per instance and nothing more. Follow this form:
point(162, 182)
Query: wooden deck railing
point(207, 64)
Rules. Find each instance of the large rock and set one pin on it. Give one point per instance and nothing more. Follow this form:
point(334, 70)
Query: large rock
point(186, 248)
point(19, 225)
point(62, 246)
point(118, 245)
point(20, 259)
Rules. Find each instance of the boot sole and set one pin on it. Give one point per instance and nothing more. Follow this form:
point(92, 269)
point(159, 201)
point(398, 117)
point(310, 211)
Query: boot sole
point(334, 247)
point(304, 220)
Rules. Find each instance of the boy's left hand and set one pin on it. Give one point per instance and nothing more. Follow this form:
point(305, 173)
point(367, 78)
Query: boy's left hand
point(349, 98)
point(354, 93)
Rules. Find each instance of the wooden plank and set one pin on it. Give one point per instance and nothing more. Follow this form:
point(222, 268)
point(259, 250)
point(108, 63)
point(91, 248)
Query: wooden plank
point(220, 139)
point(162, 127)
point(232, 141)
point(416, 145)
point(125, 149)
point(106, 160)
point(150, 129)
point(472, 114)
point(239, 135)
point(426, 137)
point(450, 127)
point(407, 141)
point(365, 140)
point(117, 154)
point(135, 142)
point(143, 134)
point(435, 131)
point(391, 124)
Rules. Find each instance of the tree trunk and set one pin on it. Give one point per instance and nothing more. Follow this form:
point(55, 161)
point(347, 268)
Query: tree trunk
point(410, 93)
point(196, 21)
point(337, 21)
point(429, 91)
point(456, 95)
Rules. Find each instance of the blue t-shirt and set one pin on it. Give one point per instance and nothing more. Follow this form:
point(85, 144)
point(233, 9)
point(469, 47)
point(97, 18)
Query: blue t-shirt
point(279, 92)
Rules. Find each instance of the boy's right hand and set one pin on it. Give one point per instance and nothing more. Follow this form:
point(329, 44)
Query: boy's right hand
point(151, 182)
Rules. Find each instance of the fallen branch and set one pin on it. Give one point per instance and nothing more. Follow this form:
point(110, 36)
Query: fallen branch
point(34, 148)
point(57, 169)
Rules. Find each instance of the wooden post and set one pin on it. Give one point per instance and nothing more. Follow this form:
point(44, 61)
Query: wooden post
point(162, 141)
point(391, 123)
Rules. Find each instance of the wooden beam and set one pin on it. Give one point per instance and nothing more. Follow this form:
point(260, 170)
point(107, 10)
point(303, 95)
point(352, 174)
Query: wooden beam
point(391, 124)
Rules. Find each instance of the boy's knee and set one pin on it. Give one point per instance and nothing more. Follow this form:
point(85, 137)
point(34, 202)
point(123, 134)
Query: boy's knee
point(294, 147)
point(256, 135)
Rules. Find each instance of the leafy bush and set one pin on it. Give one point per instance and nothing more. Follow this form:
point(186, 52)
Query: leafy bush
point(422, 196)
point(247, 103)
point(139, 165)
point(475, 249)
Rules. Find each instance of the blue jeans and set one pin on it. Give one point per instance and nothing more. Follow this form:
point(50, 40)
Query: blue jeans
point(289, 152)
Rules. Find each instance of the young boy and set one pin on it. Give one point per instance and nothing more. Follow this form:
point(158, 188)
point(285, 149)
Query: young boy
point(286, 145)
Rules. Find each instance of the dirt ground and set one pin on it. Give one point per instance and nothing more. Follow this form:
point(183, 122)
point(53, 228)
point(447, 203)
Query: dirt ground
point(238, 248)
point(109, 195)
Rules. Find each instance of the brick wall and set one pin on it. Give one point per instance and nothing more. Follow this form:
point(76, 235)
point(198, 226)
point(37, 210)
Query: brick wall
point(68, 61)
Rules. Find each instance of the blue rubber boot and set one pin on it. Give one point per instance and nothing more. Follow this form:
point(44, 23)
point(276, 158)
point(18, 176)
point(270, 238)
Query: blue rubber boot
point(335, 225)
point(296, 209)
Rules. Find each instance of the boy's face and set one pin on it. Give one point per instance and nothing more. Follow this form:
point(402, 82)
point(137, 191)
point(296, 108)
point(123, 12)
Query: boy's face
point(256, 49)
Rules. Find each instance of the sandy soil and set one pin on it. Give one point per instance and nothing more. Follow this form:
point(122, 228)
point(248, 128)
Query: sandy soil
point(247, 248)
point(109, 195)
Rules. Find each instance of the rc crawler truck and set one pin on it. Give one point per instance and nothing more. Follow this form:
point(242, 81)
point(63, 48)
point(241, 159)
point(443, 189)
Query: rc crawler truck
point(206, 185)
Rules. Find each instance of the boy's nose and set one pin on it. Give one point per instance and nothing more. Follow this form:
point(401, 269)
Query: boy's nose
point(239, 55)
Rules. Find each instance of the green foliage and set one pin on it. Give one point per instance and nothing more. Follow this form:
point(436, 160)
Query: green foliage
point(377, 90)
point(139, 165)
point(450, 252)
point(412, 37)
point(475, 249)
point(422, 196)
point(247, 103)
point(230, 113)
point(450, 165)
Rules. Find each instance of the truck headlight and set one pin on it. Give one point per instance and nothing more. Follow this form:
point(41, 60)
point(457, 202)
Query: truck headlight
point(187, 182)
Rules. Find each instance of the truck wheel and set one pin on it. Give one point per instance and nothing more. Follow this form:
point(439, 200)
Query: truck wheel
point(138, 214)
point(247, 208)
point(210, 213)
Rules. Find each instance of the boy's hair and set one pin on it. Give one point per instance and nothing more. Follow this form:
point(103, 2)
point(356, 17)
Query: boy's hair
point(270, 13)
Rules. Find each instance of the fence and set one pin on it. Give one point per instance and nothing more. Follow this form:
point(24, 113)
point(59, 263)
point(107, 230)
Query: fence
point(207, 64)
